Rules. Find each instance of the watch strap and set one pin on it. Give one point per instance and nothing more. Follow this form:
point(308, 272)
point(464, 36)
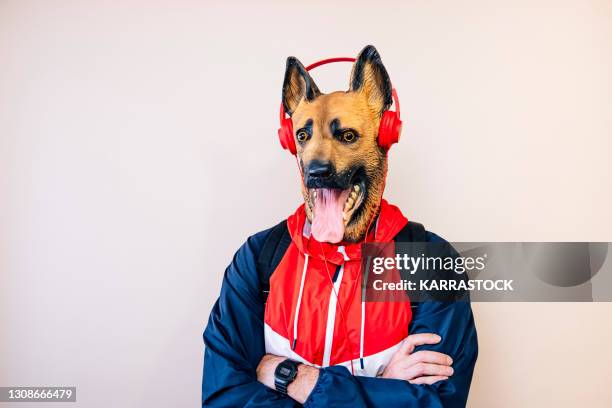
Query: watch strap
point(281, 386)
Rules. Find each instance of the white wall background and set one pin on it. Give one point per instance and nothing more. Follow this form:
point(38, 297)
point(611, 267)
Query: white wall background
point(138, 150)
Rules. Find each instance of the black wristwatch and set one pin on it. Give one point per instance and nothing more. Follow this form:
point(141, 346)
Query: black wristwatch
point(284, 375)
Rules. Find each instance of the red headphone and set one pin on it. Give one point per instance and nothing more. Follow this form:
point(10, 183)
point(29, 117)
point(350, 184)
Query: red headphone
point(388, 132)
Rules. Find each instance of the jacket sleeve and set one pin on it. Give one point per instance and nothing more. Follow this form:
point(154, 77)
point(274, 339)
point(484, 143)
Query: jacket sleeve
point(234, 338)
point(454, 322)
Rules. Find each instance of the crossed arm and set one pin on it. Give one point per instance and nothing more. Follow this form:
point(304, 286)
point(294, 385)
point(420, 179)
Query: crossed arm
point(420, 367)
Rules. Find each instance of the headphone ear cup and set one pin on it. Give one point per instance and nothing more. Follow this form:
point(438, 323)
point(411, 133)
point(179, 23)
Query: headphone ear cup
point(389, 130)
point(285, 136)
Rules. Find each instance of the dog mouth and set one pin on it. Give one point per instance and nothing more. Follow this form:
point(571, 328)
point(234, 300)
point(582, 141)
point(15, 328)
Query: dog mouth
point(333, 209)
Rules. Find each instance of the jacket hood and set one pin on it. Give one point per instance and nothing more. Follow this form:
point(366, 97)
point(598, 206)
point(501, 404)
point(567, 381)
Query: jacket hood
point(388, 223)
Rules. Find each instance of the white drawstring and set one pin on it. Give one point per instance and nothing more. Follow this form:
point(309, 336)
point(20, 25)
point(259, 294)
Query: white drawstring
point(299, 302)
point(361, 337)
point(362, 330)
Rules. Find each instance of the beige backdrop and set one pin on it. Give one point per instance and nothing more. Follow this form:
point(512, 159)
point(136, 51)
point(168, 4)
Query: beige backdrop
point(138, 150)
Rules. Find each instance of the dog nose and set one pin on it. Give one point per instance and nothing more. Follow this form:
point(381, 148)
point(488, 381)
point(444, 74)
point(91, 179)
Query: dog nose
point(320, 169)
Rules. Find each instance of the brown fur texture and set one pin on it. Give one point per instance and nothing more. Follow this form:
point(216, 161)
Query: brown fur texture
point(360, 109)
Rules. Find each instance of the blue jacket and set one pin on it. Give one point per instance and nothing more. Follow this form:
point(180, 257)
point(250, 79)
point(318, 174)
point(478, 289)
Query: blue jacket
point(234, 340)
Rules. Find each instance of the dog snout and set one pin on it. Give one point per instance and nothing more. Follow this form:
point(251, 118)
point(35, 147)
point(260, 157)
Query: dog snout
point(319, 174)
point(320, 169)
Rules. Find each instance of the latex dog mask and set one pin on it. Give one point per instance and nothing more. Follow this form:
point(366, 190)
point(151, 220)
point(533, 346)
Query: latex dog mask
point(342, 160)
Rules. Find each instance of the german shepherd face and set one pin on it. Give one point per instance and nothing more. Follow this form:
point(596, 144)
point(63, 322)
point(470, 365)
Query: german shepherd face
point(336, 135)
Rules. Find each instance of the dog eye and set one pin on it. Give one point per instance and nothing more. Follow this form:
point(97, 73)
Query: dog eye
point(302, 136)
point(348, 136)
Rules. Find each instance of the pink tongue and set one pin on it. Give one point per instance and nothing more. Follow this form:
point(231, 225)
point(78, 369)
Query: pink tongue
point(327, 222)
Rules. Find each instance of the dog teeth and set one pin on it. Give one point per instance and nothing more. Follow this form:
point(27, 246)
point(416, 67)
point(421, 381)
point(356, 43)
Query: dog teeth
point(346, 212)
point(347, 206)
point(350, 203)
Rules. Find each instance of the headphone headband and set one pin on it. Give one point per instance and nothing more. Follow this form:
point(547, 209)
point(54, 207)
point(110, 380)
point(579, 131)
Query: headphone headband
point(341, 59)
point(389, 130)
point(329, 61)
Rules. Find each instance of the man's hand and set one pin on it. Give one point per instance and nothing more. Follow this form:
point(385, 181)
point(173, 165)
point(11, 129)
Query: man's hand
point(422, 367)
point(300, 388)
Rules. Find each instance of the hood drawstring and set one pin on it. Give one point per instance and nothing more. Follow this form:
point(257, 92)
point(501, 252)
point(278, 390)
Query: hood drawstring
point(363, 305)
point(299, 302)
point(361, 340)
point(342, 250)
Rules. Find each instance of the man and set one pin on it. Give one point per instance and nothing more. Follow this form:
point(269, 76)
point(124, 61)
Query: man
point(290, 327)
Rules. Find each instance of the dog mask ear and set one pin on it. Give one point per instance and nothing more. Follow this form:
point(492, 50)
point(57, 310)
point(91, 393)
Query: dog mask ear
point(370, 77)
point(298, 85)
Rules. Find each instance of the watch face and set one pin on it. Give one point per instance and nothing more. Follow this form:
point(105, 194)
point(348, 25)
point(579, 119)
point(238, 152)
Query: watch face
point(286, 371)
